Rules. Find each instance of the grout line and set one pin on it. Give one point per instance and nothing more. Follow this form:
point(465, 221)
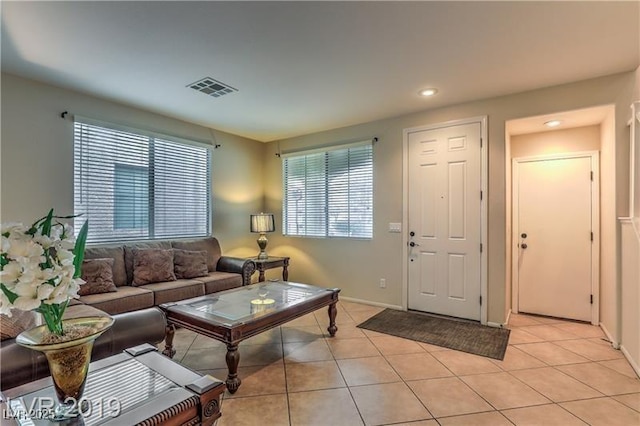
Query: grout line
point(459, 378)
point(284, 369)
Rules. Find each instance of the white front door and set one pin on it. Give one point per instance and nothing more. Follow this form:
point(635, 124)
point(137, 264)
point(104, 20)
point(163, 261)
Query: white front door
point(444, 216)
point(553, 225)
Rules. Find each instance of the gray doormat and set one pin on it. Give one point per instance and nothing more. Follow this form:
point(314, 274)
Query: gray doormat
point(455, 334)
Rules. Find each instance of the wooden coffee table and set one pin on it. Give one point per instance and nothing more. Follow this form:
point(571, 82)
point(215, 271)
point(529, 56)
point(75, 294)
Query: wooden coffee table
point(235, 315)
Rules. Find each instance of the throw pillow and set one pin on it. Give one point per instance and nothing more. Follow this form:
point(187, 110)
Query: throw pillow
point(190, 264)
point(98, 276)
point(18, 322)
point(152, 266)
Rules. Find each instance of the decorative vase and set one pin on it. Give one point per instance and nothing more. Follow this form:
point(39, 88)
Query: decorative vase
point(68, 360)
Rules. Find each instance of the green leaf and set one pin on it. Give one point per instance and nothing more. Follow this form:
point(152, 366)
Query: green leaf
point(68, 217)
point(78, 250)
point(10, 295)
point(46, 225)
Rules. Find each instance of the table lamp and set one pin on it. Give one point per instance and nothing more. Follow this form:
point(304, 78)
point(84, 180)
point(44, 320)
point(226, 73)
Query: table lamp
point(262, 223)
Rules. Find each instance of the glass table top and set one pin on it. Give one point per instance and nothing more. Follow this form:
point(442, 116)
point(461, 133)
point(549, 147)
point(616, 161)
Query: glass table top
point(246, 303)
point(106, 392)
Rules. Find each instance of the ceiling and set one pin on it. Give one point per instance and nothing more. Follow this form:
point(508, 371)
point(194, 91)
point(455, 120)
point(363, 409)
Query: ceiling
point(302, 67)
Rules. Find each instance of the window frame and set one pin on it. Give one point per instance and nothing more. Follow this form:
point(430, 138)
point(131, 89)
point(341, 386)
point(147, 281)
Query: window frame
point(326, 174)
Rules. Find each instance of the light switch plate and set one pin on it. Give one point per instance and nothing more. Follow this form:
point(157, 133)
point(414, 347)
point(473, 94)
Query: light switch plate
point(395, 227)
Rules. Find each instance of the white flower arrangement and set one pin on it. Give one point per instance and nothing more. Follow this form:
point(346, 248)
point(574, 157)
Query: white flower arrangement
point(40, 268)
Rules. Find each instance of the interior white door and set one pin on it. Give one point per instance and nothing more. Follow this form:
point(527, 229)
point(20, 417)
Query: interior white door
point(554, 237)
point(444, 202)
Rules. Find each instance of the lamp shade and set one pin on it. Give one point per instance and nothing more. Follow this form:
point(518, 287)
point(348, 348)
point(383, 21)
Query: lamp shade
point(263, 222)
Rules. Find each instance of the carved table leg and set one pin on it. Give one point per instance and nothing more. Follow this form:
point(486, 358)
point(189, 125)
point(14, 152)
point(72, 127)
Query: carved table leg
point(169, 350)
point(285, 270)
point(233, 359)
point(333, 311)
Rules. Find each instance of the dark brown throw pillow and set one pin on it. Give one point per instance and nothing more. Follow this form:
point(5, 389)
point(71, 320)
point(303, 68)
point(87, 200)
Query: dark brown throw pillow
point(152, 266)
point(98, 276)
point(190, 264)
point(19, 321)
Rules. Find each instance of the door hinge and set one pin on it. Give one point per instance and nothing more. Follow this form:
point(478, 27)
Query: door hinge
point(480, 247)
point(591, 299)
point(480, 195)
point(591, 235)
point(480, 142)
point(592, 176)
point(480, 300)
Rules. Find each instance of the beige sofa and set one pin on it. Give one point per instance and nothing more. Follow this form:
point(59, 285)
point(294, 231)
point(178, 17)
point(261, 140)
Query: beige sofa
point(223, 273)
point(132, 308)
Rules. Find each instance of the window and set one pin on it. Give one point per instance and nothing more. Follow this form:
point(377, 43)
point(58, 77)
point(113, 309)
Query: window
point(131, 197)
point(329, 193)
point(132, 185)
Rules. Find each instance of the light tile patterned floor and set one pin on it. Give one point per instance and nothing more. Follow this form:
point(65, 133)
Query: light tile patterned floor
point(554, 373)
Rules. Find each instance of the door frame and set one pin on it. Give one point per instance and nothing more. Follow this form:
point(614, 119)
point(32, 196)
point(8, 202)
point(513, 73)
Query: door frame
point(595, 225)
point(484, 203)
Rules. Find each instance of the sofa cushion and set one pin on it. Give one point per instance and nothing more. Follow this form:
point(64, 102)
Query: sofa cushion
point(98, 276)
point(219, 281)
point(173, 291)
point(117, 254)
point(209, 244)
point(128, 254)
point(190, 264)
point(126, 299)
point(78, 311)
point(152, 266)
point(19, 321)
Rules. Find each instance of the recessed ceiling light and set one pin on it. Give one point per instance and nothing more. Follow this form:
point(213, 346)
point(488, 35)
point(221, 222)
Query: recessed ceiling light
point(553, 123)
point(428, 92)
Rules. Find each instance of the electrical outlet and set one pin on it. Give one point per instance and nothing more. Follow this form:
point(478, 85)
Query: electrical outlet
point(383, 283)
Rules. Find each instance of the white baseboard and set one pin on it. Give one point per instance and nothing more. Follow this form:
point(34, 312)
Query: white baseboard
point(633, 362)
point(368, 302)
point(614, 343)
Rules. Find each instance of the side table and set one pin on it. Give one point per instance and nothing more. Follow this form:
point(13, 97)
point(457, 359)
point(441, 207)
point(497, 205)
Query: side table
point(271, 263)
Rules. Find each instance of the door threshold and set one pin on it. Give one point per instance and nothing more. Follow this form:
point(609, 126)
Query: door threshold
point(434, 315)
point(555, 318)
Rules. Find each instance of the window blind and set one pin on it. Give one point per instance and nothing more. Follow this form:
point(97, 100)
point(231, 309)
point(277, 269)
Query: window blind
point(329, 193)
point(132, 186)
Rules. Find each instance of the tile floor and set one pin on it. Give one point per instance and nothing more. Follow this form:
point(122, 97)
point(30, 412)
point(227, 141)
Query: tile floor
point(554, 373)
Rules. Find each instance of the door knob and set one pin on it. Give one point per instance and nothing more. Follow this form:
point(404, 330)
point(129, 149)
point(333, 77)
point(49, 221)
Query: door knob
point(412, 244)
point(523, 235)
point(524, 246)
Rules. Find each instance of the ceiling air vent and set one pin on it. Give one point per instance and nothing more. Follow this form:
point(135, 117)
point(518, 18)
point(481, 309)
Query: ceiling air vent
point(212, 87)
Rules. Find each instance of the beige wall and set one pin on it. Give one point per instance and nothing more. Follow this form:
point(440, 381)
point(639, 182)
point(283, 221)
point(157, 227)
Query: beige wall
point(357, 266)
point(508, 177)
point(636, 98)
point(609, 299)
point(37, 157)
point(556, 142)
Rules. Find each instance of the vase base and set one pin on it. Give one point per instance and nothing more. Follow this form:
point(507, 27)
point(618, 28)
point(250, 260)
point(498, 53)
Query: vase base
point(69, 414)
